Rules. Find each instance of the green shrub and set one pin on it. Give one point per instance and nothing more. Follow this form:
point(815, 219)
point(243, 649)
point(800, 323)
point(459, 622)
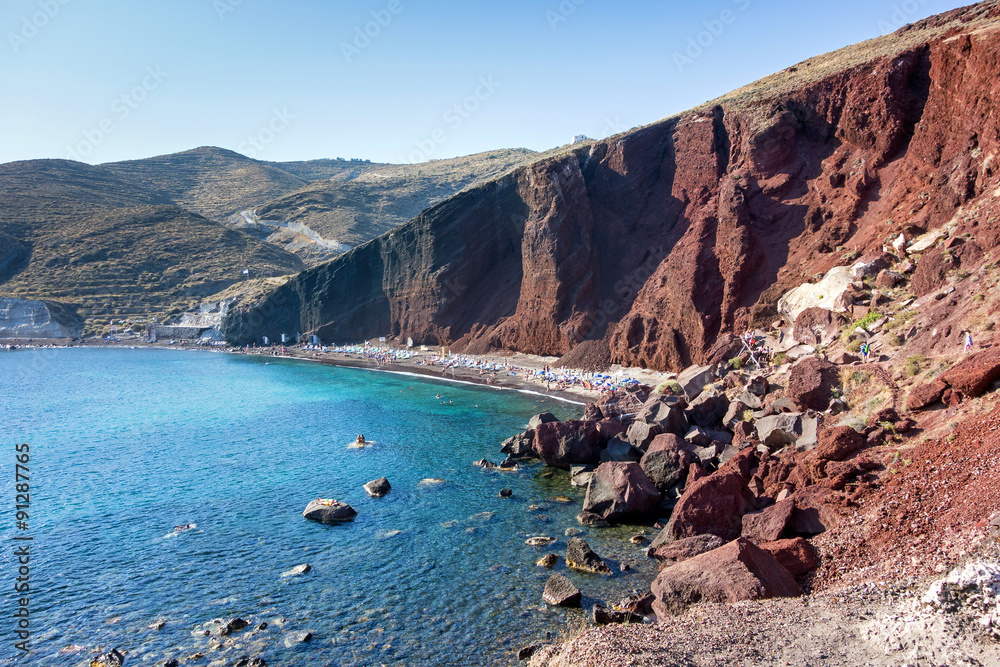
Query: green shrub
point(669, 386)
point(859, 378)
point(914, 364)
point(853, 346)
point(867, 320)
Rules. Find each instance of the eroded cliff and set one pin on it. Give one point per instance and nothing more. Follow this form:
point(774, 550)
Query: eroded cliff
point(651, 243)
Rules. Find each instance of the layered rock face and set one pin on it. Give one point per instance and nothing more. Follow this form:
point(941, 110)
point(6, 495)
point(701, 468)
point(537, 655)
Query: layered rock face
point(656, 241)
point(27, 318)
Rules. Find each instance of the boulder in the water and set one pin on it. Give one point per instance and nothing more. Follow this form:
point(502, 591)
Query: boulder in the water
point(560, 592)
point(113, 658)
point(326, 510)
point(378, 487)
point(579, 556)
point(548, 561)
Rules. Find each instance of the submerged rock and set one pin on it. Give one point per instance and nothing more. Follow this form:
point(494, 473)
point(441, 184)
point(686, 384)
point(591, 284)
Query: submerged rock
point(297, 570)
point(326, 510)
point(234, 625)
point(250, 662)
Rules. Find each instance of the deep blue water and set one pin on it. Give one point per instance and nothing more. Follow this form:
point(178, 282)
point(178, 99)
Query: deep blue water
point(126, 444)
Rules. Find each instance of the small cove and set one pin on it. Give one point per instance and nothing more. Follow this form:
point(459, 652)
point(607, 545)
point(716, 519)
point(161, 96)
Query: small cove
point(127, 444)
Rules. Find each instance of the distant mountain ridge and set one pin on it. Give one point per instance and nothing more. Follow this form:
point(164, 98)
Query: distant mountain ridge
point(155, 236)
point(111, 248)
point(344, 202)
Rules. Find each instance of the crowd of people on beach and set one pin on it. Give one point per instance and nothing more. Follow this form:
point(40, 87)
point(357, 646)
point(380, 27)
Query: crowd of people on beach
point(490, 370)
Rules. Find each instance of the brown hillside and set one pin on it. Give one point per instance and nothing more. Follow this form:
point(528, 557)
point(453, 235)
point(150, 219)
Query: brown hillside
point(361, 200)
point(210, 181)
point(82, 235)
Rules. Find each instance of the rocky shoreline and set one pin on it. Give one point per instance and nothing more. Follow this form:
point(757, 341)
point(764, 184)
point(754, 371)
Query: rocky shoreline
point(758, 493)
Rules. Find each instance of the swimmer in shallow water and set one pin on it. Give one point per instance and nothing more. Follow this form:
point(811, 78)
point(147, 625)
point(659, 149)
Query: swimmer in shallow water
point(360, 439)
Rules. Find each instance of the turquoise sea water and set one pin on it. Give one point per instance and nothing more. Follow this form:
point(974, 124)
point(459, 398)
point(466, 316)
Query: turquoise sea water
point(127, 444)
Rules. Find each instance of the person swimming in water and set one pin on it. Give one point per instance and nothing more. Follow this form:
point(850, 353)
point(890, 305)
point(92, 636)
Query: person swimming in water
point(360, 439)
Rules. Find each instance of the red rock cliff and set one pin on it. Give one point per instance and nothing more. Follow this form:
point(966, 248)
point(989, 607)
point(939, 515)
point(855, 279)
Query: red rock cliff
point(655, 241)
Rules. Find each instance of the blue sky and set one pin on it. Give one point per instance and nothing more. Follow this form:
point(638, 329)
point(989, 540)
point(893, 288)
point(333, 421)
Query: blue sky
point(387, 80)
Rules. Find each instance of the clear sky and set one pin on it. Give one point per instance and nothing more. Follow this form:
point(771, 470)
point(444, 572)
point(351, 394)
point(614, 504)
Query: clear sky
point(388, 80)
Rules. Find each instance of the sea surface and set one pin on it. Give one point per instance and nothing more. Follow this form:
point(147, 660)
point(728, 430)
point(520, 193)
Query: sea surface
point(127, 444)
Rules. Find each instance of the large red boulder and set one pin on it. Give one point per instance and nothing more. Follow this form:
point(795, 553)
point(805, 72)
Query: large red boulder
point(795, 555)
point(665, 411)
point(810, 383)
point(769, 525)
point(837, 443)
point(669, 553)
point(619, 489)
point(774, 474)
point(973, 375)
point(737, 571)
point(609, 428)
point(817, 509)
point(925, 395)
point(621, 402)
point(713, 504)
point(562, 444)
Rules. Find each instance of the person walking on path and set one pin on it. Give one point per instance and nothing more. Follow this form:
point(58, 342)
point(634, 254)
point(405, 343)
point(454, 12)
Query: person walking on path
point(968, 341)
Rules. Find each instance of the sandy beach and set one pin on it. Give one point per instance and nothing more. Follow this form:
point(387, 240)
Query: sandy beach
point(517, 371)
